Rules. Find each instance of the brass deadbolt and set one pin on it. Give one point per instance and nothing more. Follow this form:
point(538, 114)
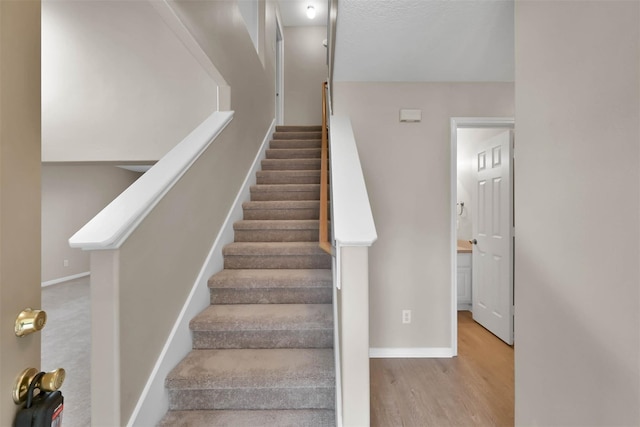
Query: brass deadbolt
point(30, 321)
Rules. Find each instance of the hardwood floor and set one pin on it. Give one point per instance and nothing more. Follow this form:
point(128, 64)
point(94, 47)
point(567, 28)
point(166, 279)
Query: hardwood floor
point(474, 389)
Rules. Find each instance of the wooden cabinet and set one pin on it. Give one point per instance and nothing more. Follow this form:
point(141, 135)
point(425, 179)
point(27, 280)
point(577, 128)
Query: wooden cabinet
point(464, 281)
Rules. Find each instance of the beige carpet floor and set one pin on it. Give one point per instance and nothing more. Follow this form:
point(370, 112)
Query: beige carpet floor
point(66, 343)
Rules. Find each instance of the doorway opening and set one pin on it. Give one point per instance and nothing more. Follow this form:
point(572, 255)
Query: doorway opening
point(467, 207)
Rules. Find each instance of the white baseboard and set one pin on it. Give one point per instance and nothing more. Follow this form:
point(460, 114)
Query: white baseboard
point(411, 353)
point(65, 279)
point(154, 400)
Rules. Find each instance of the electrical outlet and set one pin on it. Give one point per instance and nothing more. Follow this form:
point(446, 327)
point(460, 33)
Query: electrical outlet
point(406, 316)
point(65, 263)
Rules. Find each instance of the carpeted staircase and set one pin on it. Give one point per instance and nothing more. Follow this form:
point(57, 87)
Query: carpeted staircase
point(263, 350)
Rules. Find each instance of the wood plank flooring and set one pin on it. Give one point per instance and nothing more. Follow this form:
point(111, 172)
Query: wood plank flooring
point(474, 389)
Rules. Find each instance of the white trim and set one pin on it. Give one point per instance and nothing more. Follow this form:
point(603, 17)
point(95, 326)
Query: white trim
point(411, 352)
point(110, 228)
point(457, 123)
point(279, 71)
point(352, 220)
point(336, 347)
point(454, 236)
point(65, 279)
point(154, 401)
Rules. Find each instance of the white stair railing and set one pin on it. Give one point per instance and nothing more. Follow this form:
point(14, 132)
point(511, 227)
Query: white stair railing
point(147, 247)
point(354, 232)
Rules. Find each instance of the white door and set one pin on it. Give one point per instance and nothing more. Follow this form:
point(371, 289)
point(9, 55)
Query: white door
point(492, 282)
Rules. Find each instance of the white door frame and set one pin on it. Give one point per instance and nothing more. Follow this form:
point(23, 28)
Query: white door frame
point(279, 73)
point(461, 123)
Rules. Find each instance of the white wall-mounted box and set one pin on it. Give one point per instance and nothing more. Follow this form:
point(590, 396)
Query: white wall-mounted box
point(408, 115)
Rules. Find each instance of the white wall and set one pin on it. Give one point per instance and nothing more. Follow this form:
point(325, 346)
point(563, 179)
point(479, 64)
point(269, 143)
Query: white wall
point(577, 315)
point(71, 196)
point(305, 68)
point(407, 170)
point(117, 84)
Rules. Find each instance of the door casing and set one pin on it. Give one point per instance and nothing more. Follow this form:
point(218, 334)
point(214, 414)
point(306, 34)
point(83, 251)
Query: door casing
point(462, 123)
point(279, 95)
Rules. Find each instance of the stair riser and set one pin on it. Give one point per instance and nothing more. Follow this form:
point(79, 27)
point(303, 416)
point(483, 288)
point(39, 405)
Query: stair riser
point(299, 128)
point(291, 164)
point(272, 296)
point(275, 261)
point(297, 135)
point(295, 143)
point(280, 418)
point(276, 235)
point(322, 338)
point(293, 154)
point(265, 196)
point(264, 398)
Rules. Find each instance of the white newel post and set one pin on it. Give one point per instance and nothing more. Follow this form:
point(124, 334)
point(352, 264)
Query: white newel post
point(105, 338)
point(354, 232)
point(354, 313)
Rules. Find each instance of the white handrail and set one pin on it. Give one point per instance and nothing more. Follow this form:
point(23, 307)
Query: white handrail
point(352, 220)
point(111, 226)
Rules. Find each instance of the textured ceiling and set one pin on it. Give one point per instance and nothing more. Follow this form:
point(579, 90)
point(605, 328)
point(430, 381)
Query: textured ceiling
point(294, 13)
point(425, 40)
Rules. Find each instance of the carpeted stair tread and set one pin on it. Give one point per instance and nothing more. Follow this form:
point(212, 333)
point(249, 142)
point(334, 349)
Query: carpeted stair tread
point(291, 164)
point(299, 128)
point(297, 224)
point(269, 278)
point(263, 317)
point(288, 255)
point(281, 209)
point(293, 153)
point(272, 248)
point(295, 143)
point(276, 231)
point(255, 418)
point(264, 326)
point(271, 286)
point(254, 368)
point(281, 378)
point(288, 177)
point(264, 192)
point(297, 135)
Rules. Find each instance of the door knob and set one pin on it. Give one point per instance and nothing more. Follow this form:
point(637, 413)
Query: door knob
point(50, 381)
point(30, 321)
point(473, 242)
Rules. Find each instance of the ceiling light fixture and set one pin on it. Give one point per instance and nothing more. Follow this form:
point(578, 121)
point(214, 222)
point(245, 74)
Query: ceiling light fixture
point(311, 12)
